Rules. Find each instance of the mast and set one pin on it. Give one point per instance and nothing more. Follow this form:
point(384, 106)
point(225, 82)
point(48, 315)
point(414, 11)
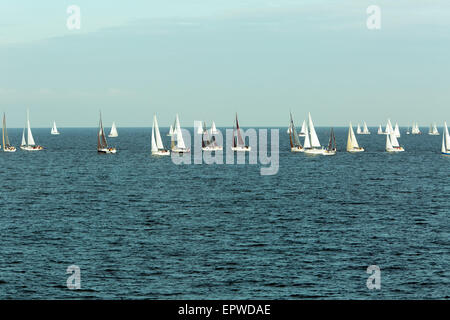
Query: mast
point(3, 131)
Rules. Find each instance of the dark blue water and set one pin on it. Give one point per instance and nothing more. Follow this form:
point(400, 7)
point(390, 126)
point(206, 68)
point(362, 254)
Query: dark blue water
point(143, 227)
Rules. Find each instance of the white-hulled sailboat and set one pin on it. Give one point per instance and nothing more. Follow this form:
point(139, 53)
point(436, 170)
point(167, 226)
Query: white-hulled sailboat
point(238, 142)
point(6, 145)
point(380, 130)
point(358, 129)
point(296, 146)
point(445, 141)
point(113, 133)
point(102, 144)
point(157, 144)
point(397, 130)
point(312, 143)
point(433, 130)
point(28, 143)
point(179, 146)
point(54, 129)
point(170, 131)
point(392, 144)
point(365, 129)
point(209, 143)
point(415, 129)
point(352, 143)
point(331, 148)
point(303, 130)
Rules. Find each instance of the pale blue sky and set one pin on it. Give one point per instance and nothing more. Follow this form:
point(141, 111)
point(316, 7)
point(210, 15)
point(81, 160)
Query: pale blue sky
point(207, 59)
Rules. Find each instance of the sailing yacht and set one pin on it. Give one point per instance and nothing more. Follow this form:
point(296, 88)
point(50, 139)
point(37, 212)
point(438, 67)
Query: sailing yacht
point(6, 145)
point(54, 129)
point(397, 130)
point(170, 131)
point(415, 129)
point(433, 130)
point(102, 144)
point(312, 143)
point(303, 130)
point(179, 147)
point(113, 133)
point(392, 144)
point(296, 146)
point(209, 143)
point(331, 149)
point(157, 144)
point(365, 129)
point(380, 130)
point(28, 143)
point(445, 141)
point(238, 142)
point(407, 131)
point(352, 143)
point(358, 129)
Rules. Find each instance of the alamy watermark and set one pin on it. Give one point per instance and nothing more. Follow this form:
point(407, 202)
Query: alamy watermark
point(373, 21)
point(74, 20)
point(257, 150)
point(374, 280)
point(74, 280)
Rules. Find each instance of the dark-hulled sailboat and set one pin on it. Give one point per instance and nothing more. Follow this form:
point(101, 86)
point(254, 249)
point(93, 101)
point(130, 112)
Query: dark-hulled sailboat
point(331, 148)
point(296, 146)
point(102, 144)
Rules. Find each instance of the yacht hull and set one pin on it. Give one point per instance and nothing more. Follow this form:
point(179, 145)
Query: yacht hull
point(30, 148)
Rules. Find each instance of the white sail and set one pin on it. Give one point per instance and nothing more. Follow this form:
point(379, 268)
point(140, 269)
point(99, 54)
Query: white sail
point(303, 131)
point(388, 142)
point(358, 130)
point(159, 143)
point(380, 130)
point(180, 141)
point(214, 129)
point(433, 130)
point(352, 143)
point(54, 129)
point(307, 142)
point(391, 132)
point(170, 131)
point(154, 146)
point(289, 128)
point(113, 133)
point(29, 135)
point(312, 132)
point(397, 130)
point(447, 137)
point(198, 126)
point(366, 130)
point(24, 142)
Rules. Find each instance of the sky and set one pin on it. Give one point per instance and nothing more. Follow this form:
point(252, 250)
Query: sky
point(207, 59)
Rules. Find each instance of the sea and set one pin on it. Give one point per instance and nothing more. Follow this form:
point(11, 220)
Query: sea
point(143, 227)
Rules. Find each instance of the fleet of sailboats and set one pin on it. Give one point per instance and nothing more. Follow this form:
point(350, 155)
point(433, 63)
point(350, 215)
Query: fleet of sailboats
point(157, 144)
point(113, 133)
point(7, 147)
point(54, 130)
point(238, 142)
point(392, 144)
point(28, 143)
point(352, 143)
point(445, 141)
point(102, 144)
point(177, 142)
point(433, 130)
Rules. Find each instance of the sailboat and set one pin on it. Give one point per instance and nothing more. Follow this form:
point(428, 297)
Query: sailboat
point(312, 143)
point(6, 146)
point(397, 130)
point(392, 144)
point(102, 144)
point(157, 144)
point(352, 143)
point(365, 129)
point(407, 131)
point(331, 148)
point(179, 147)
point(296, 146)
point(54, 129)
point(380, 130)
point(113, 133)
point(28, 143)
point(289, 130)
point(358, 129)
point(238, 142)
point(415, 129)
point(214, 129)
point(199, 126)
point(433, 130)
point(209, 143)
point(170, 131)
point(303, 130)
point(445, 141)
